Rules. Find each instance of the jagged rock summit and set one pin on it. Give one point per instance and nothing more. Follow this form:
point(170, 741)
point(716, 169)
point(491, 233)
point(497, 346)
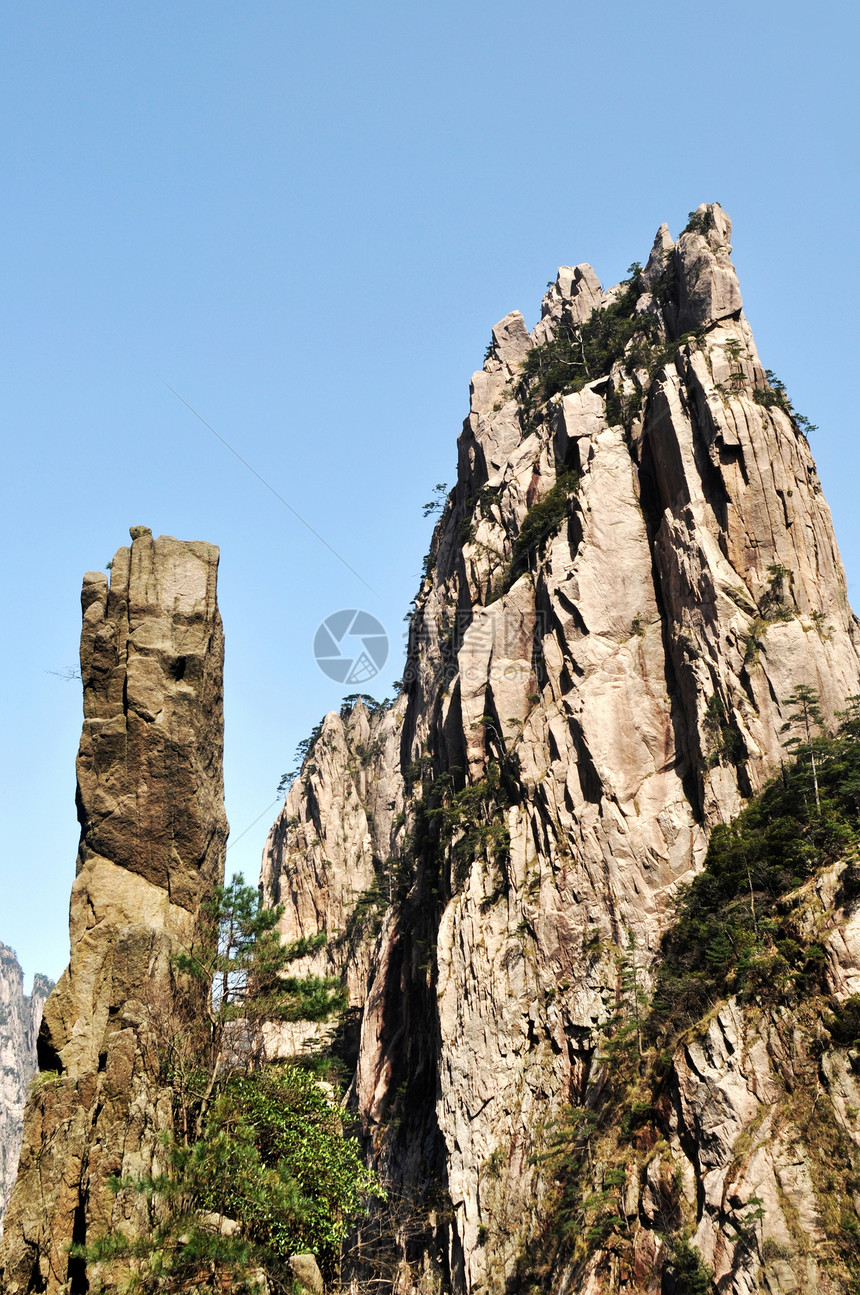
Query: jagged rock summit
point(635, 570)
point(153, 829)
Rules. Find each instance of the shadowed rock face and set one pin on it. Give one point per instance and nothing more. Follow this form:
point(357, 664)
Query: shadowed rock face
point(606, 702)
point(150, 804)
point(20, 1015)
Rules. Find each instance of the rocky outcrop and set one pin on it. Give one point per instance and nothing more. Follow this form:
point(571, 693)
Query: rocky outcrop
point(327, 858)
point(150, 804)
point(634, 571)
point(20, 1015)
point(755, 1140)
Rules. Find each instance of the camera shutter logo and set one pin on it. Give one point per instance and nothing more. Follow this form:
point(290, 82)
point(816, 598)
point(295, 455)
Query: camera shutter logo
point(351, 646)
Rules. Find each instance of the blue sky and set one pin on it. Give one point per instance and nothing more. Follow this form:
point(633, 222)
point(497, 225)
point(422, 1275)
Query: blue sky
point(305, 219)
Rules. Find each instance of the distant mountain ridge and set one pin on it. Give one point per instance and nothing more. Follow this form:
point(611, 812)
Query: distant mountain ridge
point(20, 1015)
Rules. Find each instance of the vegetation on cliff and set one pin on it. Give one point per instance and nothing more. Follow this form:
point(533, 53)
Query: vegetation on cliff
point(259, 1167)
point(742, 932)
point(580, 353)
point(270, 1175)
point(733, 933)
point(555, 779)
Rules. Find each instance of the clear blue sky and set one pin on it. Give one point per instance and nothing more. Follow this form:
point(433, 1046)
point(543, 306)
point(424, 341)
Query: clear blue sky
point(305, 219)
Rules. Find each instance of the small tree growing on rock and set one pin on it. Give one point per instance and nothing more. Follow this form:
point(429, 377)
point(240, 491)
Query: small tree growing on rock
point(259, 1167)
point(241, 961)
point(806, 719)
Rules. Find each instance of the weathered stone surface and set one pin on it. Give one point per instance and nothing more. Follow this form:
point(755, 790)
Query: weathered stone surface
point(759, 1102)
point(708, 284)
point(576, 293)
point(305, 1270)
point(150, 804)
point(20, 1015)
point(694, 571)
point(326, 856)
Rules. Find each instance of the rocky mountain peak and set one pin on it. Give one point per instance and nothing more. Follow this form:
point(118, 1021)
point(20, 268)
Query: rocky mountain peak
point(634, 573)
point(574, 295)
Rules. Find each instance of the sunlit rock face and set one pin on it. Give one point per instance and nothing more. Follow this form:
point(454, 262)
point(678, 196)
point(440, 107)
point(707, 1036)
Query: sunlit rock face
point(150, 804)
point(626, 585)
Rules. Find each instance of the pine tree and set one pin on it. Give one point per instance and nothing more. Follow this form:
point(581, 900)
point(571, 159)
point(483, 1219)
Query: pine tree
point(258, 1166)
point(240, 957)
point(806, 715)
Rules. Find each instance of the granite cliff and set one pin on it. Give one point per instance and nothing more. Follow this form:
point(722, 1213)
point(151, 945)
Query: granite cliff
point(20, 1015)
point(634, 573)
point(150, 805)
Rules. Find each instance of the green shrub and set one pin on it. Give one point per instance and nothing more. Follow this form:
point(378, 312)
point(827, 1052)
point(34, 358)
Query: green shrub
point(622, 407)
point(730, 935)
point(543, 519)
point(699, 222)
point(540, 522)
point(845, 1024)
point(271, 1156)
point(297, 1133)
point(476, 815)
point(689, 1271)
point(581, 353)
point(775, 396)
point(724, 738)
point(261, 1146)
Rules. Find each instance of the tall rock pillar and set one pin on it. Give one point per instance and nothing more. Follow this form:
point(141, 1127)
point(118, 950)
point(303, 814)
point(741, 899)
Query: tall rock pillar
point(153, 830)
